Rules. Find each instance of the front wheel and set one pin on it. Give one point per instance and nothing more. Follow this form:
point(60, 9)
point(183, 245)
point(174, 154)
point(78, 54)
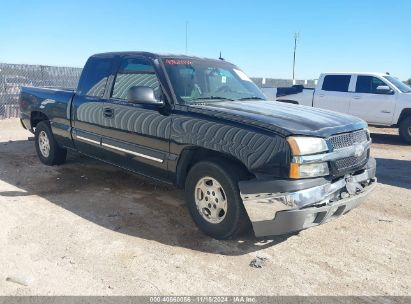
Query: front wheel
point(405, 130)
point(48, 151)
point(214, 201)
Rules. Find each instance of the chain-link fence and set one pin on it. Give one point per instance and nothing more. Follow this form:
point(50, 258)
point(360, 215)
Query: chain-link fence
point(14, 76)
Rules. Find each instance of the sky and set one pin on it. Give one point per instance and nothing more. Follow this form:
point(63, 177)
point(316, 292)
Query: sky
point(335, 36)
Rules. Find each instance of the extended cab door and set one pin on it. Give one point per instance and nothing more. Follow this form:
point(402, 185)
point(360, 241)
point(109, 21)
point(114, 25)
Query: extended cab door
point(136, 135)
point(333, 93)
point(376, 107)
point(87, 106)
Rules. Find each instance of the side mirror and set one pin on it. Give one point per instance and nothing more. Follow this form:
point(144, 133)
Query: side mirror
point(143, 95)
point(384, 90)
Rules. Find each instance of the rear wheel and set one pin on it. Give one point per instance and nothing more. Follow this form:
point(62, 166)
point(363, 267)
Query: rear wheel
point(47, 148)
point(214, 201)
point(405, 129)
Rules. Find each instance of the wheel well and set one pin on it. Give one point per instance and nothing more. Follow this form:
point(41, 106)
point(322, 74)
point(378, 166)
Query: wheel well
point(404, 114)
point(36, 117)
point(190, 156)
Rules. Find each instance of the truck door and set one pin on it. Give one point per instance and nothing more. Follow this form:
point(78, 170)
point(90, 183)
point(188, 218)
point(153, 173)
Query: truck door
point(136, 135)
point(370, 104)
point(87, 106)
point(333, 93)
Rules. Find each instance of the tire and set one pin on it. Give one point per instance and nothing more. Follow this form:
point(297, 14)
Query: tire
point(219, 214)
point(405, 130)
point(47, 148)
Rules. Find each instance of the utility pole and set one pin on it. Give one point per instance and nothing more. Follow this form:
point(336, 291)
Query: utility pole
point(296, 38)
point(186, 37)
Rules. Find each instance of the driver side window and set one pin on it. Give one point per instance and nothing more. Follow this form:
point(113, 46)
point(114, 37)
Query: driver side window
point(135, 72)
point(368, 84)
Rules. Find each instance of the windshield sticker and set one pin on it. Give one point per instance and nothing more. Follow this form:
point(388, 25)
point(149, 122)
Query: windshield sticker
point(242, 75)
point(178, 61)
point(223, 79)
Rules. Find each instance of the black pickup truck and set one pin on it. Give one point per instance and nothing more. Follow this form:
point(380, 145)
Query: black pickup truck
point(204, 126)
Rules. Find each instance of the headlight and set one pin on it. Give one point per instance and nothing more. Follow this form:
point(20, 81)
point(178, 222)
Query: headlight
point(308, 170)
point(301, 145)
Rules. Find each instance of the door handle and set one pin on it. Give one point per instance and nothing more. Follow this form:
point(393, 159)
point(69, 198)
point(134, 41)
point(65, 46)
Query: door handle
point(108, 112)
point(321, 95)
point(357, 97)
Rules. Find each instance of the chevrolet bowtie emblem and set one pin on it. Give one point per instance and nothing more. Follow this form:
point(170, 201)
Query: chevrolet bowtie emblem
point(358, 149)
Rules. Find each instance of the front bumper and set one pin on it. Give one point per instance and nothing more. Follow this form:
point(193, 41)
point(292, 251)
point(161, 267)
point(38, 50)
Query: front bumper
point(276, 213)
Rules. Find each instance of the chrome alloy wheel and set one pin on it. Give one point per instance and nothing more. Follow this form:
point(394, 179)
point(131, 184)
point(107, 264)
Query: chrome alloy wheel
point(211, 200)
point(44, 144)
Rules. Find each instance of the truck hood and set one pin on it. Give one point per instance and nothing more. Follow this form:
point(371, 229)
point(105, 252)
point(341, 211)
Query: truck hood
point(285, 119)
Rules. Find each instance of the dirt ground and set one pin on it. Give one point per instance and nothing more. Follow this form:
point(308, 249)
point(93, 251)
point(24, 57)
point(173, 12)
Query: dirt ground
point(86, 228)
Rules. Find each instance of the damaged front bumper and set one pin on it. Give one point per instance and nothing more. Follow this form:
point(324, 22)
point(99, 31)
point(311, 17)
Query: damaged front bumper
point(300, 204)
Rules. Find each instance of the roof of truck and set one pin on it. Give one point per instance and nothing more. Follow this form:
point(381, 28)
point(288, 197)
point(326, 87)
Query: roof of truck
point(155, 55)
point(356, 73)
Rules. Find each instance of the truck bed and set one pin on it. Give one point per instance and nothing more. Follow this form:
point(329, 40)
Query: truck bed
point(295, 94)
point(51, 102)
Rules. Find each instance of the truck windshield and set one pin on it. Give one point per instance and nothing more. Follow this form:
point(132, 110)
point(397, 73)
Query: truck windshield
point(399, 84)
point(197, 80)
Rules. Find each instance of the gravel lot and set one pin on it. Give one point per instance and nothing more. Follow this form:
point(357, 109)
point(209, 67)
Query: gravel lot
point(86, 228)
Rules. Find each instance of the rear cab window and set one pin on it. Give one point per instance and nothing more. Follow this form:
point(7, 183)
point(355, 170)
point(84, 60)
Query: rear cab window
point(94, 77)
point(336, 83)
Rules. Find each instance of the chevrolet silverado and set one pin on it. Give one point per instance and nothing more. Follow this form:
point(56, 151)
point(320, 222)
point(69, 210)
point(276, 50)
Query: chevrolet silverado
point(204, 126)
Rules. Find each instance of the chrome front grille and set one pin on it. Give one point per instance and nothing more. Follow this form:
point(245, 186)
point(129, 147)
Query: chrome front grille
point(340, 141)
point(348, 139)
point(350, 162)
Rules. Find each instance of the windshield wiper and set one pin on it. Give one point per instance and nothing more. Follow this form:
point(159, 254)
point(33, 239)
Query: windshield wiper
point(212, 98)
point(251, 98)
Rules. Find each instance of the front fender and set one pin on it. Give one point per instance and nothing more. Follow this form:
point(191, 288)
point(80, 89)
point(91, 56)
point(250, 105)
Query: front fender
point(258, 151)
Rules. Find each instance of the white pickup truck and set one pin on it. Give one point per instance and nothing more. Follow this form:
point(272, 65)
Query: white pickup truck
point(378, 98)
